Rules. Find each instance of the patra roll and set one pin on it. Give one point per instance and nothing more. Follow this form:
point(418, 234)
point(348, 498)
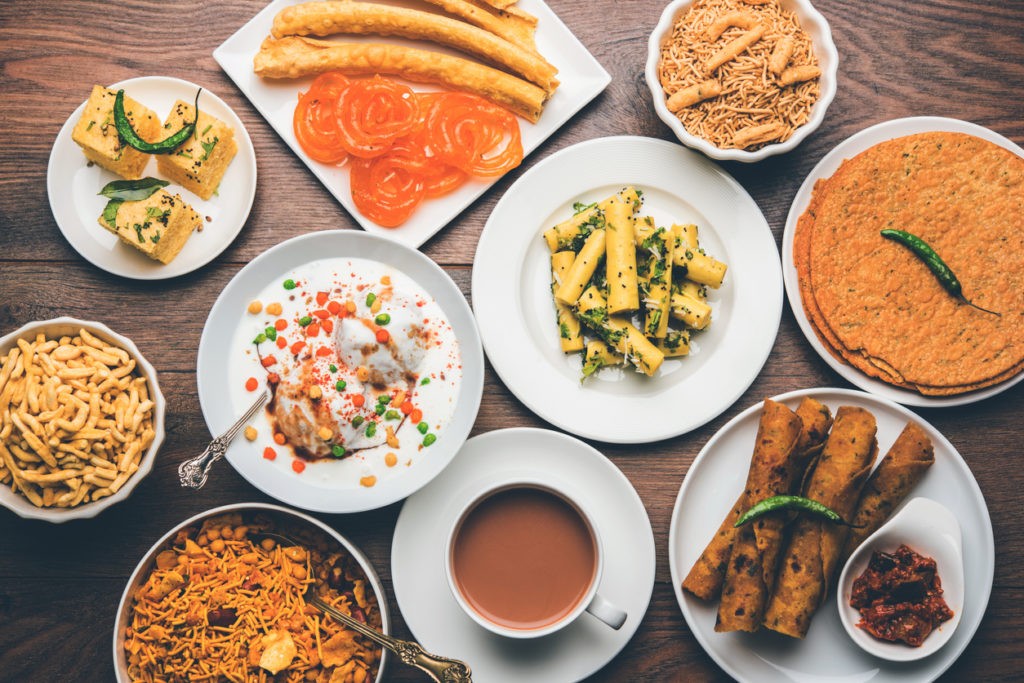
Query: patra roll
point(811, 556)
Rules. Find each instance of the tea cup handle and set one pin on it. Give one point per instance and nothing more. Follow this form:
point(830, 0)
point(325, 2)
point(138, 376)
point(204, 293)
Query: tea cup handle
point(607, 612)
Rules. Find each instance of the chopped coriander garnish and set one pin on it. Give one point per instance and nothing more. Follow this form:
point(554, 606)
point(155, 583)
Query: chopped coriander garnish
point(382, 319)
point(370, 298)
point(340, 385)
point(371, 429)
point(357, 420)
point(338, 451)
point(305, 320)
point(429, 439)
point(392, 415)
point(423, 427)
point(289, 284)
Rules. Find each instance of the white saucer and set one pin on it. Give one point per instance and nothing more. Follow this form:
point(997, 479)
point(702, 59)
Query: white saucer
point(73, 183)
point(417, 558)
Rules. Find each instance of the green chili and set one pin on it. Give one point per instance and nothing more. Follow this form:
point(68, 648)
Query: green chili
point(943, 273)
point(789, 503)
point(132, 139)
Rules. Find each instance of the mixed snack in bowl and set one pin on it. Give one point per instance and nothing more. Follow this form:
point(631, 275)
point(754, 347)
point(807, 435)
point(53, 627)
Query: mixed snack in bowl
point(81, 419)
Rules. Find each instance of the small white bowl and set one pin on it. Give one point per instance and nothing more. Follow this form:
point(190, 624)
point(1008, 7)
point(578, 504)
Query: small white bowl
point(58, 327)
point(138, 577)
point(824, 48)
point(932, 530)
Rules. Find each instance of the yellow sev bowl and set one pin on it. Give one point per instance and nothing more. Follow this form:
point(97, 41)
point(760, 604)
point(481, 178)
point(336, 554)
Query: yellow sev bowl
point(824, 48)
point(138, 577)
point(58, 327)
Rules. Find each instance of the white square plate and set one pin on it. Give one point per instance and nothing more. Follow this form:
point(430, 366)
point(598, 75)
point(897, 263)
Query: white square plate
point(582, 79)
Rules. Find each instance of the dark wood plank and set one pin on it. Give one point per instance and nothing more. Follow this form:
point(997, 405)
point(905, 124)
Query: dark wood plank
point(59, 585)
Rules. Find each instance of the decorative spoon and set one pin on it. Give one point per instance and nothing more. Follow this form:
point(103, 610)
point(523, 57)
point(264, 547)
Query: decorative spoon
point(193, 472)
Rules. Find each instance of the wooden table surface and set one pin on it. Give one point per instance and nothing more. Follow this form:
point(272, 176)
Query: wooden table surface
point(59, 584)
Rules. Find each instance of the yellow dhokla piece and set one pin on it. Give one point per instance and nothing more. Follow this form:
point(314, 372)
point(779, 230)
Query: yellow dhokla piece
point(198, 164)
point(157, 226)
point(96, 134)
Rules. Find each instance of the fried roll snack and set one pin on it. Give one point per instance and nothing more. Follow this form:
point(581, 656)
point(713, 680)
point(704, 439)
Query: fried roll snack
point(329, 18)
point(745, 594)
point(902, 467)
point(296, 57)
point(812, 554)
point(512, 24)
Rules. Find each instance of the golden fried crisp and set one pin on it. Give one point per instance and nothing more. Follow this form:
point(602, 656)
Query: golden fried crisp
point(876, 305)
point(295, 57)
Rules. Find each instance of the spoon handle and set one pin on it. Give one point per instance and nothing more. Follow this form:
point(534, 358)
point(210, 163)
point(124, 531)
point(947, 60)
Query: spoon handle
point(192, 473)
point(441, 669)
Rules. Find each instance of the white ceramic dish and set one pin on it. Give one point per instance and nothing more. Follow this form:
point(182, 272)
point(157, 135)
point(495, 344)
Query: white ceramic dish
point(582, 79)
point(221, 378)
point(72, 184)
point(828, 58)
point(929, 529)
point(138, 576)
point(418, 558)
point(852, 146)
point(58, 327)
point(513, 306)
point(717, 477)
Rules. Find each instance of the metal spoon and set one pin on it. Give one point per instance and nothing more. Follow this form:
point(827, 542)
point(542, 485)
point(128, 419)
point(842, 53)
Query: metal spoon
point(193, 472)
point(440, 669)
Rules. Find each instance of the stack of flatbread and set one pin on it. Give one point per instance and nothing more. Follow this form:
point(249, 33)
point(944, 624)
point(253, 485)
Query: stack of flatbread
point(510, 72)
point(876, 305)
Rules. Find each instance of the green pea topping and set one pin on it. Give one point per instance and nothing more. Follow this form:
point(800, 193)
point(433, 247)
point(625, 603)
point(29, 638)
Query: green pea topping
point(340, 385)
point(271, 333)
point(383, 398)
point(380, 408)
point(305, 320)
point(289, 284)
point(338, 451)
point(392, 415)
point(357, 420)
point(423, 427)
point(425, 380)
point(370, 298)
point(260, 338)
point(382, 319)
point(371, 429)
point(429, 439)
point(333, 368)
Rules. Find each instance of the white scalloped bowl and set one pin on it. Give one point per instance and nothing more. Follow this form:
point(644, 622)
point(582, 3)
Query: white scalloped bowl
point(58, 327)
point(828, 59)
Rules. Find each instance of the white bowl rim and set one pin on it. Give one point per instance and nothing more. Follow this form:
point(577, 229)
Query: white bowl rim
point(149, 555)
point(824, 46)
point(21, 506)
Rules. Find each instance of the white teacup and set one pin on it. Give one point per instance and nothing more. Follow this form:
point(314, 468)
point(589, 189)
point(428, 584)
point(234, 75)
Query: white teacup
point(524, 560)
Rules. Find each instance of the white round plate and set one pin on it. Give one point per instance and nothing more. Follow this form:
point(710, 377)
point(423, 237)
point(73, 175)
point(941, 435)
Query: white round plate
point(221, 377)
point(717, 477)
point(513, 305)
point(851, 147)
point(417, 558)
point(73, 183)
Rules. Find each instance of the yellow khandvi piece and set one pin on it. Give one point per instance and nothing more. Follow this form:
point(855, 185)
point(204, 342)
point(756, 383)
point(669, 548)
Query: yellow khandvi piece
point(694, 313)
point(676, 343)
point(565, 233)
point(620, 258)
point(655, 273)
point(620, 334)
point(568, 324)
point(582, 269)
point(686, 235)
point(700, 267)
point(599, 355)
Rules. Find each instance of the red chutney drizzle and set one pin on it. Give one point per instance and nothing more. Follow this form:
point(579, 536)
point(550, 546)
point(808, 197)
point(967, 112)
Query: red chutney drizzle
point(899, 597)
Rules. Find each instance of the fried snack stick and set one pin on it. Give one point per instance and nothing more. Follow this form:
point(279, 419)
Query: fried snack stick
point(295, 57)
point(772, 472)
point(708, 574)
point(329, 18)
point(511, 23)
point(812, 554)
point(902, 467)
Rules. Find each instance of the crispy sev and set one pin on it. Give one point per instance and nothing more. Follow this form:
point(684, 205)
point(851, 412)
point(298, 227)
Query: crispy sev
point(217, 606)
point(752, 94)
